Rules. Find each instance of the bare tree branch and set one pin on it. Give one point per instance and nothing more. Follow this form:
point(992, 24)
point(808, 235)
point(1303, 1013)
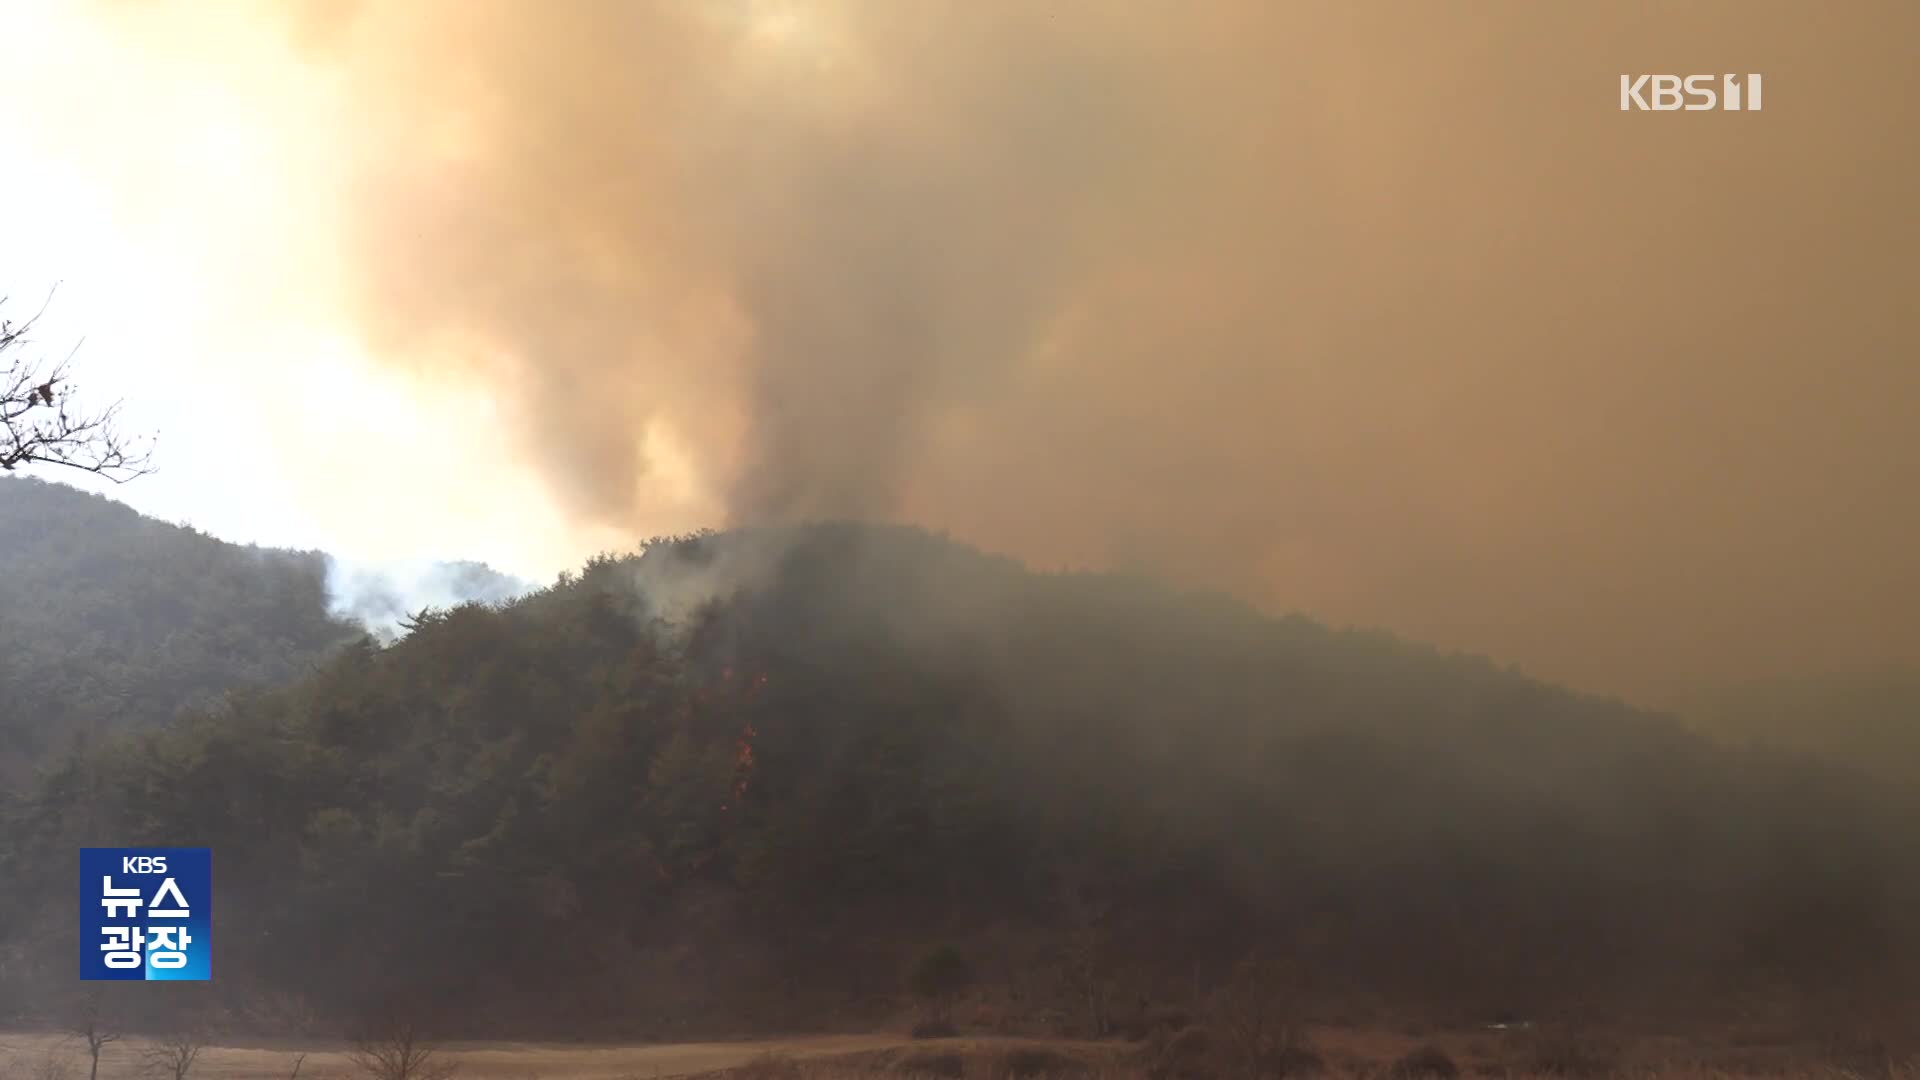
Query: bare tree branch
point(1256, 1017)
point(87, 1022)
point(395, 1050)
point(41, 423)
point(171, 1057)
point(1088, 948)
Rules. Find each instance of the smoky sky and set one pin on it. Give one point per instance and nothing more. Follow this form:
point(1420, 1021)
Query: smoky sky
point(1384, 312)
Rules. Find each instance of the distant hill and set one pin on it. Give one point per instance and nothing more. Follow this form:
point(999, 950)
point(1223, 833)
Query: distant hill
point(742, 780)
point(110, 620)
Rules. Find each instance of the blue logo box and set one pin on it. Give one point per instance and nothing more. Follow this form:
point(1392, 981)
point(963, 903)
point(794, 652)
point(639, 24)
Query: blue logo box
point(146, 914)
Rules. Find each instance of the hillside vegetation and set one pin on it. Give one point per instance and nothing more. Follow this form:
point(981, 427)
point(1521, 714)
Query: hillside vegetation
point(741, 781)
point(1868, 720)
point(112, 621)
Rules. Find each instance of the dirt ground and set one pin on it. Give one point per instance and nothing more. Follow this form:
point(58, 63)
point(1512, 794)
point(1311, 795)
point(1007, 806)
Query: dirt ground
point(1345, 1052)
point(52, 1057)
point(33, 1056)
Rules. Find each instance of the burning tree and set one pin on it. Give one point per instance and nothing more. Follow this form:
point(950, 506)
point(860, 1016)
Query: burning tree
point(40, 422)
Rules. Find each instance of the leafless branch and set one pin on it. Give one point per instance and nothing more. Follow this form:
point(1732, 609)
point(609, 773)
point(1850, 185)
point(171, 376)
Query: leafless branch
point(1255, 1017)
point(1088, 949)
point(88, 1024)
point(172, 1056)
point(42, 423)
point(397, 1051)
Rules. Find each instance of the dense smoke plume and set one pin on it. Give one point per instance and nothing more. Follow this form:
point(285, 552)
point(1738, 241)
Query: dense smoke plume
point(1385, 312)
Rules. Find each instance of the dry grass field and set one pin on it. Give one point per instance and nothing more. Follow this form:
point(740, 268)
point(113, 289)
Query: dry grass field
point(42, 1056)
point(54, 1057)
point(1363, 1054)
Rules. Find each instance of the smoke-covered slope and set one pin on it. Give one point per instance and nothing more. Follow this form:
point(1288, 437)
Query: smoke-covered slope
point(849, 742)
point(112, 620)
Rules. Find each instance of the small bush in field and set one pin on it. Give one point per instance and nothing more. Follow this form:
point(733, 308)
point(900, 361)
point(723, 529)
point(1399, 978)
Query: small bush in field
point(770, 1067)
point(1191, 1042)
point(1172, 1020)
point(1566, 1053)
point(1184, 1055)
point(1037, 1061)
point(929, 1063)
point(1255, 1023)
point(1427, 1062)
point(1856, 1056)
point(1151, 1024)
point(933, 1029)
point(1292, 1059)
point(939, 976)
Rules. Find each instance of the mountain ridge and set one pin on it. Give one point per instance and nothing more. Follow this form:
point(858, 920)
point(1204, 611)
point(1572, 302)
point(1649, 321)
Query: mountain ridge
point(112, 620)
point(735, 781)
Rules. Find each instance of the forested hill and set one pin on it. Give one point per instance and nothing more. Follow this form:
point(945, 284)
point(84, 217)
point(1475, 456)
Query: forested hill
point(111, 620)
point(1870, 720)
point(567, 816)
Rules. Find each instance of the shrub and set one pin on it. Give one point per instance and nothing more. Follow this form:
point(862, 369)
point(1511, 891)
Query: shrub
point(933, 1029)
point(1191, 1042)
point(940, 974)
point(1172, 1020)
point(1037, 1061)
point(927, 1063)
point(1566, 1053)
point(1857, 1056)
point(1151, 1024)
point(1292, 1058)
point(1427, 1062)
point(1184, 1055)
point(1255, 1023)
point(769, 1067)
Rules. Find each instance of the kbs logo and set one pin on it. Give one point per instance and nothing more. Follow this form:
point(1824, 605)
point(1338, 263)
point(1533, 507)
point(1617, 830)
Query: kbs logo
point(145, 913)
point(1693, 93)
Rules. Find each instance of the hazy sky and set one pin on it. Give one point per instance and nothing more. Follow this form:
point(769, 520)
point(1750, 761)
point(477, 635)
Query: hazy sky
point(1382, 311)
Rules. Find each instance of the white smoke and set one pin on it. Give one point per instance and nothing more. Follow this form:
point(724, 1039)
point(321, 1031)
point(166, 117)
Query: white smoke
point(383, 596)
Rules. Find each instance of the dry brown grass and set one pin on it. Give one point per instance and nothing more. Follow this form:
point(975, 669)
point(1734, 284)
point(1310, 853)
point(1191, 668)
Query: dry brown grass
point(985, 1069)
point(25, 1056)
point(980, 1069)
point(1344, 1053)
